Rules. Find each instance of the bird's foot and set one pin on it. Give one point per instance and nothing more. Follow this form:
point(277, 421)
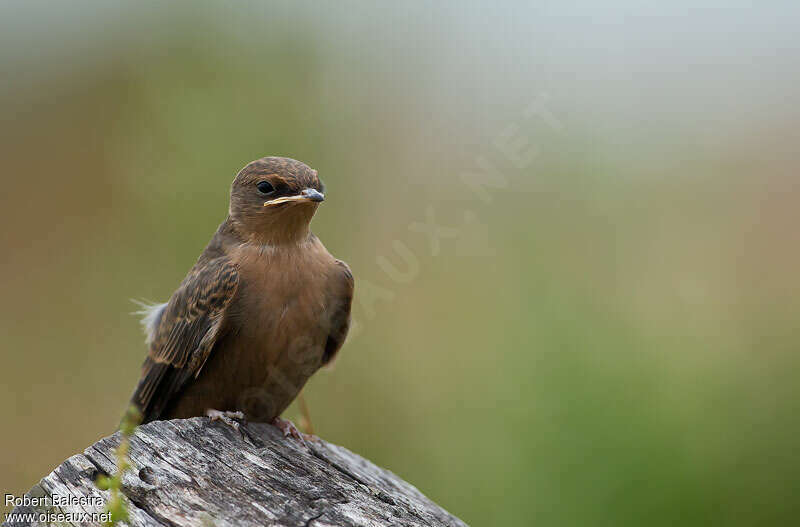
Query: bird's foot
point(288, 429)
point(232, 419)
point(237, 421)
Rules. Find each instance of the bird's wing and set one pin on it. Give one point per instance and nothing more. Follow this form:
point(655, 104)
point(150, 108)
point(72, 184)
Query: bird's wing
point(185, 334)
point(340, 321)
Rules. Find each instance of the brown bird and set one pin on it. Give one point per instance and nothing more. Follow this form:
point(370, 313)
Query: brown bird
point(264, 307)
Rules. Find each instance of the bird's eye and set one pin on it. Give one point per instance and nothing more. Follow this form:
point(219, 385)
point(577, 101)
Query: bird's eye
point(265, 187)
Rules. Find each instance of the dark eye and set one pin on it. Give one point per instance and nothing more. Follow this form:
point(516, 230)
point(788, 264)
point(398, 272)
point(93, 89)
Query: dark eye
point(265, 187)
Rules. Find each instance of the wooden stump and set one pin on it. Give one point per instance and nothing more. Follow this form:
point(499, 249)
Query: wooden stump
point(193, 472)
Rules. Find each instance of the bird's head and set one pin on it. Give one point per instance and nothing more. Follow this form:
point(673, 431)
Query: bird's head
point(274, 198)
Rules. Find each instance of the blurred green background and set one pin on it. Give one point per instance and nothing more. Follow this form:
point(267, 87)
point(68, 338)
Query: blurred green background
point(605, 334)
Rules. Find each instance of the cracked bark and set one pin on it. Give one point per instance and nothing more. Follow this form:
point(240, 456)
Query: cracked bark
point(192, 472)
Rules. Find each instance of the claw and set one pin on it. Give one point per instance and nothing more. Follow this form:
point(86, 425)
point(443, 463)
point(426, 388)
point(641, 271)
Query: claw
point(229, 418)
point(288, 429)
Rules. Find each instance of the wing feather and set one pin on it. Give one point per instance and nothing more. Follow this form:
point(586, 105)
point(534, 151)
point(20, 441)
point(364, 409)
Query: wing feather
point(185, 334)
point(340, 320)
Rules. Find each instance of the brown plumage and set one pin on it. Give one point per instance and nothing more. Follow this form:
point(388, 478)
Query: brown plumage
point(262, 309)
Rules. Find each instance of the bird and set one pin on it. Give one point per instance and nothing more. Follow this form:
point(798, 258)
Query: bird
point(263, 308)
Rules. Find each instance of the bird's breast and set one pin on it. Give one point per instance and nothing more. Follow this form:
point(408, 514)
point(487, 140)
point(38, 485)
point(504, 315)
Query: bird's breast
point(281, 316)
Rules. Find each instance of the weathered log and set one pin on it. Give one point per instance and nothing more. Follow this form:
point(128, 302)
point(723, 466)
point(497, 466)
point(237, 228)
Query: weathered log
point(193, 472)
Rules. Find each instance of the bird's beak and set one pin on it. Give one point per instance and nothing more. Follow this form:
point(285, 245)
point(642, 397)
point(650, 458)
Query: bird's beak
point(308, 194)
point(313, 195)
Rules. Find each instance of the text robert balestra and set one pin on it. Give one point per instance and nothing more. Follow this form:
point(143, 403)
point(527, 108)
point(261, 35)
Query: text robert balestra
point(53, 501)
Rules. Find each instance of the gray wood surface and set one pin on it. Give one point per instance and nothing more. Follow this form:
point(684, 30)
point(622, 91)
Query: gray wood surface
point(193, 472)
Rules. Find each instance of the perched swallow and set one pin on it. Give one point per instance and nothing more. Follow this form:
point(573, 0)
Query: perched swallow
point(264, 307)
